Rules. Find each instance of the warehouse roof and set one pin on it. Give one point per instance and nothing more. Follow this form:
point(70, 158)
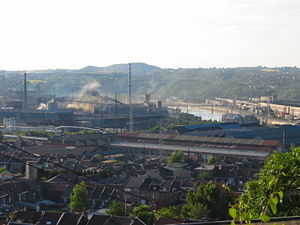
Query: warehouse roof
point(205, 127)
point(202, 150)
point(213, 140)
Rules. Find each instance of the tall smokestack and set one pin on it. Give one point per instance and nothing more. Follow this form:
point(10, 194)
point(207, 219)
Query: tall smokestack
point(25, 92)
point(2, 88)
point(129, 99)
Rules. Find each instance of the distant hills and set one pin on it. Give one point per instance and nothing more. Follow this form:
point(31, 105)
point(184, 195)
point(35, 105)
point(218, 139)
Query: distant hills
point(140, 69)
point(193, 84)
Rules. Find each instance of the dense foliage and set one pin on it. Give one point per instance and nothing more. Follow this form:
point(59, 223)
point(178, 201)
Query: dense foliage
point(279, 179)
point(144, 213)
point(79, 198)
point(212, 160)
point(176, 157)
point(170, 212)
point(2, 170)
point(183, 119)
point(117, 208)
point(208, 201)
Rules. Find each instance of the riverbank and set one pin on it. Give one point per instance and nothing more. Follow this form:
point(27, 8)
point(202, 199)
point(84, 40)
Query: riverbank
point(263, 119)
point(216, 112)
point(205, 114)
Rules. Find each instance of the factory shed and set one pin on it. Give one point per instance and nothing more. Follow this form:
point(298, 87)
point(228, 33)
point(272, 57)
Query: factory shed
point(194, 140)
point(288, 133)
point(154, 143)
point(206, 127)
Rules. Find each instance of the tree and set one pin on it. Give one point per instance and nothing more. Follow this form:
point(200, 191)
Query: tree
point(1, 136)
point(170, 212)
point(199, 210)
point(276, 192)
point(98, 156)
point(154, 129)
point(206, 201)
point(117, 208)
point(79, 198)
point(2, 170)
point(204, 176)
point(176, 157)
point(212, 160)
point(105, 173)
point(144, 213)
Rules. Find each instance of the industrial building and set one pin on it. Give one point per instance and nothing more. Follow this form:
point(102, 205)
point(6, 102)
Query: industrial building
point(163, 145)
point(89, 108)
point(288, 135)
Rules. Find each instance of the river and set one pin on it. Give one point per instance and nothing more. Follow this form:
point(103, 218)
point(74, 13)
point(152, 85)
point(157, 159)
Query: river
point(204, 113)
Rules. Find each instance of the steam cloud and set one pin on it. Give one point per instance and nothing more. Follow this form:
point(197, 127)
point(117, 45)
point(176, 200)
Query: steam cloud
point(88, 93)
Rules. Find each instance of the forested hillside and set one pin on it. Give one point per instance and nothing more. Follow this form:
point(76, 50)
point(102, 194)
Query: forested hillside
point(191, 84)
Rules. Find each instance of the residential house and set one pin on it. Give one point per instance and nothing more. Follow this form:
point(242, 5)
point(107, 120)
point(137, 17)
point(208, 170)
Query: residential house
point(114, 220)
point(62, 218)
point(170, 172)
point(19, 194)
point(151, 191)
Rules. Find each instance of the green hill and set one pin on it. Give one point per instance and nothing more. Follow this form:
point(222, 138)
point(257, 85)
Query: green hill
point(139, 69)
point(191, 84)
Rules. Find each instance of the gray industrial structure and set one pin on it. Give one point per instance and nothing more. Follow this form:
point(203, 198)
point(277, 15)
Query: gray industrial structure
point(90, 109)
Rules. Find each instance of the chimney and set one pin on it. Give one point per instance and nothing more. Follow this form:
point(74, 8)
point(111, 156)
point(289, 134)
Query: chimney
point(31, 170)
point(130, 99)
point(147, 98)
point(25, 92)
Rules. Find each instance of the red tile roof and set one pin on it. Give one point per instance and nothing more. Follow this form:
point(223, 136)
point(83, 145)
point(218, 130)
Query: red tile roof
point(213, 140)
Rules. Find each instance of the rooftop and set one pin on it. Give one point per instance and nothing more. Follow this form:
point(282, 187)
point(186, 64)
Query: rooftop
point(191, 149)
point(214, 140)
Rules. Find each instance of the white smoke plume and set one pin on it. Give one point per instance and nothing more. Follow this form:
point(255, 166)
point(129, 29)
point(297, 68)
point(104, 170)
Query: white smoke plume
point(88, 93)
point(93, 86)
point(42, 106)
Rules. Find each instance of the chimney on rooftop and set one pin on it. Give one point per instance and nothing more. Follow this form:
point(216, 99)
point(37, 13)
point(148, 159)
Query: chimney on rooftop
point(31, 170)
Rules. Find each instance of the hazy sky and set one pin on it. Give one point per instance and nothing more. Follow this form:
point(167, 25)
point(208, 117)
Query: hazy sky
point(39, 34)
